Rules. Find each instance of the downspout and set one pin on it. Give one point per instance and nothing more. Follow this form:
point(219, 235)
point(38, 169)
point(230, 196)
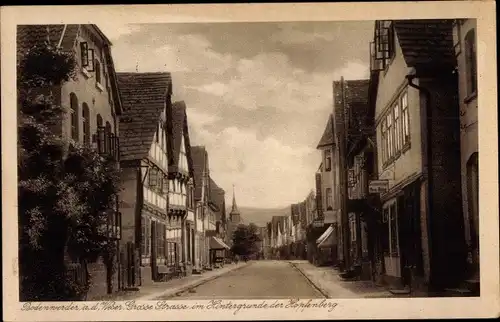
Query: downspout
point(430, 181)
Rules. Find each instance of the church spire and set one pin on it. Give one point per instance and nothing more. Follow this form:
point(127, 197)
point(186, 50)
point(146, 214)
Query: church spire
point(234, 209)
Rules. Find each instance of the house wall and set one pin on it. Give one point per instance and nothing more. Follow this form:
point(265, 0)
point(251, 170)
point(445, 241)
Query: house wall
point(446, 220)
point(98, 97)
point(406, 165)
point(391, 84)
point(469, 119)
point(129, 203)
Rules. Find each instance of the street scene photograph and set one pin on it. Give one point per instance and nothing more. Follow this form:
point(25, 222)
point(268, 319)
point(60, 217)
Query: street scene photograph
point(248, 160)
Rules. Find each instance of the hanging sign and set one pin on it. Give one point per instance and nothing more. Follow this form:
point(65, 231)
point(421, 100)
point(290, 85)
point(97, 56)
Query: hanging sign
point(378, 186)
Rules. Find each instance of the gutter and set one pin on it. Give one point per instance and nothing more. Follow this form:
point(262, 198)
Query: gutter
point(430, 182)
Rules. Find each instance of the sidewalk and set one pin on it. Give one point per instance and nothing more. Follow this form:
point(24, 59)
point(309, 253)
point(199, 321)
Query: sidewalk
point(171, 287)
point(328, 280)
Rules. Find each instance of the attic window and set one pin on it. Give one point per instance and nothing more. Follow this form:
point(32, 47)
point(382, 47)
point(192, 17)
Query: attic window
point(382, 48)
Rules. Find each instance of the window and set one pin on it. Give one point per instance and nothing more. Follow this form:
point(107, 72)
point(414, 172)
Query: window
point(171, 253)
point(329, 199)
point(97, 72)
point(107, 141)
point(353, 230)
point(165, 185)
point(86, 123)
point(397, 128)
point(74, 116)
point(470, 62)
point(153, 178)
point(328, 160)
point(383, 130)
point(84, 54)
point(87, 56)
point(160, 183)
point(390, 136)
point(406, 119)
point(99, 120)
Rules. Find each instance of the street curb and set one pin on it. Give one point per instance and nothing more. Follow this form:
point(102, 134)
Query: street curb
point(169, 293)
point(319, 289)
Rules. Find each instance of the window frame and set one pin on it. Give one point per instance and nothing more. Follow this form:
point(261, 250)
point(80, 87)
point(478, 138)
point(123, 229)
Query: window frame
point(396, 136)
point(328, 160)
point(471, 61)
point(405, 114)
point(329, 198)
point(86, 123)
point(98, 74)
point(74, 117)
point(397, 127)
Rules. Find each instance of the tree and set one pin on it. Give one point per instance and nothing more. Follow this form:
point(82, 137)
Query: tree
point(64, 188)
point(245, 240)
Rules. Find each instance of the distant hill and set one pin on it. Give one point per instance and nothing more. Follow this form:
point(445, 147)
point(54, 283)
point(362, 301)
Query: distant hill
point(260, 216)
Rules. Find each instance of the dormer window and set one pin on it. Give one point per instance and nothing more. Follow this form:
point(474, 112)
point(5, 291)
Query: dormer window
point(382, 49)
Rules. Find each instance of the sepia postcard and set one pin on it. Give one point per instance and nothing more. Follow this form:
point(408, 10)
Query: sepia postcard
point(250, 161)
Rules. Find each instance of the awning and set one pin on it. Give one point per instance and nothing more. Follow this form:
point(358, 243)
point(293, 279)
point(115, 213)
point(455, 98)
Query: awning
point(217, 243)
point(327, 238)
point(329, 241)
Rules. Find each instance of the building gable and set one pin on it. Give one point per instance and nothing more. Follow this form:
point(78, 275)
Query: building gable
point(144, 97)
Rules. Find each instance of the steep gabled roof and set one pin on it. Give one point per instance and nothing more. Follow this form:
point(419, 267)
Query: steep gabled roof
point(199, 156)
point(144, 96)
point(356, 96)
point(426, 42)
point(327, 138)
point(177, 125)
point(217, 196)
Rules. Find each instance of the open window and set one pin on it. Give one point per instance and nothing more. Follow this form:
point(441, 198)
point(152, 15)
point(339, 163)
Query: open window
point(87, 56)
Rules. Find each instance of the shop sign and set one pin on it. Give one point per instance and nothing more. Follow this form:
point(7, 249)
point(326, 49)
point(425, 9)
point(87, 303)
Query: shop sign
point(378, 186)
point(318, 223)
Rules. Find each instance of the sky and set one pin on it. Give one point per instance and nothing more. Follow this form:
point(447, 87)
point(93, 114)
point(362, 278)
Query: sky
point(258, 94)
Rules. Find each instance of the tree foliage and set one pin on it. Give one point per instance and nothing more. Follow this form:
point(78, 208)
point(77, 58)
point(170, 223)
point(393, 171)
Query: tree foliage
point(65, 189)
point(245, 240)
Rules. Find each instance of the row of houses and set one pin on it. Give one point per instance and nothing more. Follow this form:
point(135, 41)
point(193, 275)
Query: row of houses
point(397, 189)
point(169, 219)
